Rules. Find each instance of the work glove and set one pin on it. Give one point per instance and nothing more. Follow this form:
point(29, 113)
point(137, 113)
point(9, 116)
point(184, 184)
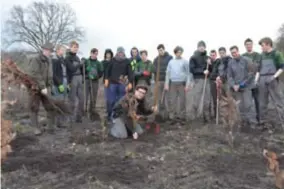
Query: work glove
point(61, 88)
point(44, 91)
point(146, 73)
point(129, 86)
point(106, 83)
point(242, 85)
point(206, 72)
point(269, 80)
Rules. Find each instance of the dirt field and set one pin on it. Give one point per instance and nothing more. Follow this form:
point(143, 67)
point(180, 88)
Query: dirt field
point(194, 156)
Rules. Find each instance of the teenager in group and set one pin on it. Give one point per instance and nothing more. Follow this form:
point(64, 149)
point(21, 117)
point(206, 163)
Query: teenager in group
point(75, 80)
point(94, 71)
point(161, 63)
point(270, 68)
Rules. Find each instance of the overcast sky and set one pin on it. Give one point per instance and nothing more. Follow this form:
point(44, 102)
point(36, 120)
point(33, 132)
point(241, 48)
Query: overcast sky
point(145, 24)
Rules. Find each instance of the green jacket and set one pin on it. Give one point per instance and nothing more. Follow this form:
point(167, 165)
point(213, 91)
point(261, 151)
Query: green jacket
point(94, 69)
point(254, 56)
point(144, 66)
point(40, 69)
point(277, 57)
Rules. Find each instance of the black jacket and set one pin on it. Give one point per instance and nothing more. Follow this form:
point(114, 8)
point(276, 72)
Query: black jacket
point(105, 64)
point(118, 68)
point(223, 67)
point(57, 62)
point(73, 65)
point(213, 69)
point(198, 63)
point(163, 65)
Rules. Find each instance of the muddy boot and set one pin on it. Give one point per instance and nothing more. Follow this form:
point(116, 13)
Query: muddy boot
point(95, 117)
point(34, 123)
point(78, 119)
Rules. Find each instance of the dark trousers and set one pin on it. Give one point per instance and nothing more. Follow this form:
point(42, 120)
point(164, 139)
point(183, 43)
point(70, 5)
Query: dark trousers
point(255, 96)
point(213, 90)
point(107, 101)
point(116, 92)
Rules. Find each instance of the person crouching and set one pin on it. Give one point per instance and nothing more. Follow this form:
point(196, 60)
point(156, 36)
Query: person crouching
point(123, 124)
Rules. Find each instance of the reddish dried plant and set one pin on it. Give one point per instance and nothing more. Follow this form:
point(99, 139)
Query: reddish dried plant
point(6, 137)
point(13, 75)
point(273, 167)
point(229, 115)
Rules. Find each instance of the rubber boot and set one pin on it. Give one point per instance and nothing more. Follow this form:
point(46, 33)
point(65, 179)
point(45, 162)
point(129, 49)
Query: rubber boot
point(34, 123)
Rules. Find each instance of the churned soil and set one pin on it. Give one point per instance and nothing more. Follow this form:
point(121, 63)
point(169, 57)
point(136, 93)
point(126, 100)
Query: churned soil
point(192, 156)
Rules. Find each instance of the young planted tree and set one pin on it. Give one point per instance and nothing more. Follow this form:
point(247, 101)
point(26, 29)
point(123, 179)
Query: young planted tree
point(42, 22)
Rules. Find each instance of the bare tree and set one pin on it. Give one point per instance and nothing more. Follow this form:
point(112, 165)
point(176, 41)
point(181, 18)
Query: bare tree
point(42, 22)
point(280, 39)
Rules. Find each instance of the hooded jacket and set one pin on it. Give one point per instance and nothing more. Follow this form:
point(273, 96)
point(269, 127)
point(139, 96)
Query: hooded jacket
point(223, 67)
point(141, 67)
point(73, 65)
point(57, 67)
point(119, 67)
point(93, 69)
point(198, 63)
point(105, 62)
point(134, 61)
point(214, 71)
point(165, 59)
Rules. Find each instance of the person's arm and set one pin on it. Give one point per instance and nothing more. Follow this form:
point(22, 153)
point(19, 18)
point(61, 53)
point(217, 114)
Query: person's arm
point(168, 72)
point(280, 64)
point(230, 78)
point(56, 79)
point(100, 69)
point(188, 74)
point(35, 72)
point(69, 65)
point(130, 73)
point(192, 65)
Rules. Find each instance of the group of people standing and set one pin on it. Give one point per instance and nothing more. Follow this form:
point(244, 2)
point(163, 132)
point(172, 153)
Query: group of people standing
point(251, 77)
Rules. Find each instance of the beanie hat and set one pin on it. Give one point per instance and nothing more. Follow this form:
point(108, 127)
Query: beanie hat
point(201, 44)
point(120, 50)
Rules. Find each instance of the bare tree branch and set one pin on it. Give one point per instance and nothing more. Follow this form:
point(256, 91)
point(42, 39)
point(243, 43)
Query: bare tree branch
point(42, 22)
point(280, 39)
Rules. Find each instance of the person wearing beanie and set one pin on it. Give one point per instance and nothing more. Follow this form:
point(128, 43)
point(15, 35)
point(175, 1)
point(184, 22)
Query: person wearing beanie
point(107, 59)
point(93, 72)
point(162, 61)
point(135, 58)
point(199, 63)
point(177, 83)
point(119, 77)
point(123, 125)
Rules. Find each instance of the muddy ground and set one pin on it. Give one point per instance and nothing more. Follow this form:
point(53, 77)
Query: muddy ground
point(195, 156)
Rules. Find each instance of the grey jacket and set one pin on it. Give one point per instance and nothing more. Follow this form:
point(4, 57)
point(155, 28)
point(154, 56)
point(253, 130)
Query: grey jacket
point(238, 72)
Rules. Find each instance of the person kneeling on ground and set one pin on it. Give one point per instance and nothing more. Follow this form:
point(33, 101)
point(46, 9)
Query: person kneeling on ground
point(123, 124)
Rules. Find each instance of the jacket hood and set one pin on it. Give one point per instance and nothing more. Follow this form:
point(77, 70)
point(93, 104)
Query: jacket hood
point(138, 58)
point(198, 53)
point(108, 51)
